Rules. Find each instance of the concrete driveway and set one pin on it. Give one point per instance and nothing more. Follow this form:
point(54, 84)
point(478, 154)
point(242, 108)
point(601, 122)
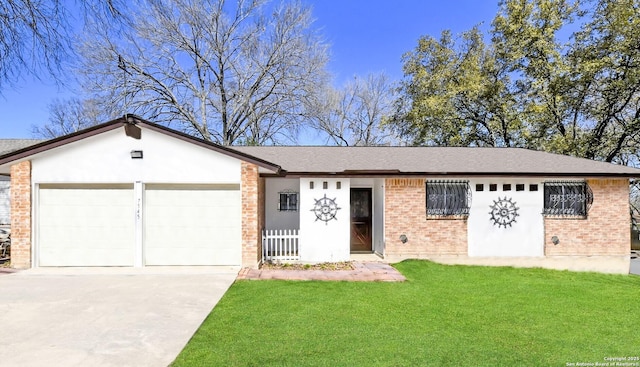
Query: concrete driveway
point(104, 316)
point(635, 266)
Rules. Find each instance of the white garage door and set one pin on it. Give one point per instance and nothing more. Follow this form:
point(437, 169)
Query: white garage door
point(192, 225)
point(86, 225)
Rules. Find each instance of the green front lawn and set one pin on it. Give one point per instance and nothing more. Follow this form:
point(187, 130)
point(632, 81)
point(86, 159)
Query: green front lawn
point(442, 316)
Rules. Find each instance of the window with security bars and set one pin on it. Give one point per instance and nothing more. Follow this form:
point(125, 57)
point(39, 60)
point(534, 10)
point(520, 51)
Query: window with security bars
point(567, 198)
point(288, 202)
point(448, 198)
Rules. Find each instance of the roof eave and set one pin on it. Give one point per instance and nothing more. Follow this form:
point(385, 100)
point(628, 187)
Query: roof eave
point(386, 173)
point(60, 141)
point(210, 145)
point(132, 120)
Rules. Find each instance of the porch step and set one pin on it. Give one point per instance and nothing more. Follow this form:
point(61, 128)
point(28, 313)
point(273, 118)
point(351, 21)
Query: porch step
point(370, 257)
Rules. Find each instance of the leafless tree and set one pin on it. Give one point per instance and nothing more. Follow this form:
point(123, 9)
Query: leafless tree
point(355, 114)
point(68, 116)
point(32, 38)
point(231, 73)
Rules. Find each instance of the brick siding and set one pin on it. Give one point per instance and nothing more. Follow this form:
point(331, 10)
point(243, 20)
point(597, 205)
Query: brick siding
point(405, 213)
point(605, 231)
point(21, 215)
point(252, 187)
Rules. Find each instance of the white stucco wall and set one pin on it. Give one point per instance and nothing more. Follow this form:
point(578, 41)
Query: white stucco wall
point(322, 241)
point(275, 219)
point(523, 237)
point(378, 216)
point(106, 158)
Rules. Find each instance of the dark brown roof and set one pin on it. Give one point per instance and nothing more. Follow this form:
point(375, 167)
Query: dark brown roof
point(433, 161)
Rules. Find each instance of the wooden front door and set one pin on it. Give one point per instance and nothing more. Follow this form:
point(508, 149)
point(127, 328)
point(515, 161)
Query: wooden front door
point(361, 220)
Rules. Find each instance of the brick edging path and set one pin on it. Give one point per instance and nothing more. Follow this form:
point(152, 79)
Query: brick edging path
point(362, 272)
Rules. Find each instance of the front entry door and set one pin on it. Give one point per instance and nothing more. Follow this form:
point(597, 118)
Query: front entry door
point(361, 220)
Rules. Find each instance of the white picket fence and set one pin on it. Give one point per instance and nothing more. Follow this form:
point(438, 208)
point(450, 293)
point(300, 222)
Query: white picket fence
point(280, 245)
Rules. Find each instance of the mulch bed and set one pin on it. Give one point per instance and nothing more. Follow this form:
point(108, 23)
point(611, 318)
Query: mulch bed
point(344, 265)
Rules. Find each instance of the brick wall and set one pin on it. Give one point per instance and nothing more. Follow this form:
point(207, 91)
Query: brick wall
point(604, 232)
point(21, 215)
point(251, 186)
point(405, 213)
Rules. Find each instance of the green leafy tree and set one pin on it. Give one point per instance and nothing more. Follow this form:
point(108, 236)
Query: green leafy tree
point(605, 61)
point(557, 75)
point(456, 94)
point(525, 37)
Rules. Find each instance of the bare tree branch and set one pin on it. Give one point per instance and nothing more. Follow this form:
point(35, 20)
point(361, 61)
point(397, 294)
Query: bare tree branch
point(355, 114)
point(69, 116)
point(223, 73)
point(33, 38)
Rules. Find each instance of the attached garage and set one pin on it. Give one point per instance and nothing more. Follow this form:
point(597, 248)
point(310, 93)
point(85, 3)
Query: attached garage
point(132, 193)
point(192, 225)
point(89, 225)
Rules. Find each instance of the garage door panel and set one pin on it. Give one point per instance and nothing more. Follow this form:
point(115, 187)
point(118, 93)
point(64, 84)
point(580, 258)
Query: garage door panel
point(86, 227)
point(186, 226)
point(95, 226)
point(80, 257)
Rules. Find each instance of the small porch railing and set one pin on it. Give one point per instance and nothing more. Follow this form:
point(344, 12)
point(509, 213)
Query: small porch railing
point(280, 245)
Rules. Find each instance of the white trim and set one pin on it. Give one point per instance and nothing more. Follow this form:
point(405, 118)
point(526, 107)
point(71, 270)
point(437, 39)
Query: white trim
point(383, 189)
point(138, 197)
point(35, 245)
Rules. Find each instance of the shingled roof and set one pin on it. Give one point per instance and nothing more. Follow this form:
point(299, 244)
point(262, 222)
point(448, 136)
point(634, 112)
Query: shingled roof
point(433, 161)
point(10, 145)
point(314, 160)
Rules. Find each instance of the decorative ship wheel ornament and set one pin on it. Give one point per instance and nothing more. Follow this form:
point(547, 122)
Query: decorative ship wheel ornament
point(325, 209)
point(503, 212)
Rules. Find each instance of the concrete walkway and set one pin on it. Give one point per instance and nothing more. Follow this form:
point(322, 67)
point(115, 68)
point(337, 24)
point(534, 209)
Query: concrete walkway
point(104, 316)
point(363, 272)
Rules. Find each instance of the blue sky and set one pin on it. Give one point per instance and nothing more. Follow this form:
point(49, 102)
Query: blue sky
point(365, 36)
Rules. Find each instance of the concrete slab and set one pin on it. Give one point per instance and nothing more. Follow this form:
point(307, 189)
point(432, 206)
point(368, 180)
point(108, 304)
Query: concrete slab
point(635, 266)
point(105, 316)
point(362, 272)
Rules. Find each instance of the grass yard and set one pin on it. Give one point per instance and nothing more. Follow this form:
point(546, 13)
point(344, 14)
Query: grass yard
point(442, 316)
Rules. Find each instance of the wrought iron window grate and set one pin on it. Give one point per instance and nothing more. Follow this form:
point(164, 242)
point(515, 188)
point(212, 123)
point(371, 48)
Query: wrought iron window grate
point(448, 198)
point(567, 198)
point(288, 201)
